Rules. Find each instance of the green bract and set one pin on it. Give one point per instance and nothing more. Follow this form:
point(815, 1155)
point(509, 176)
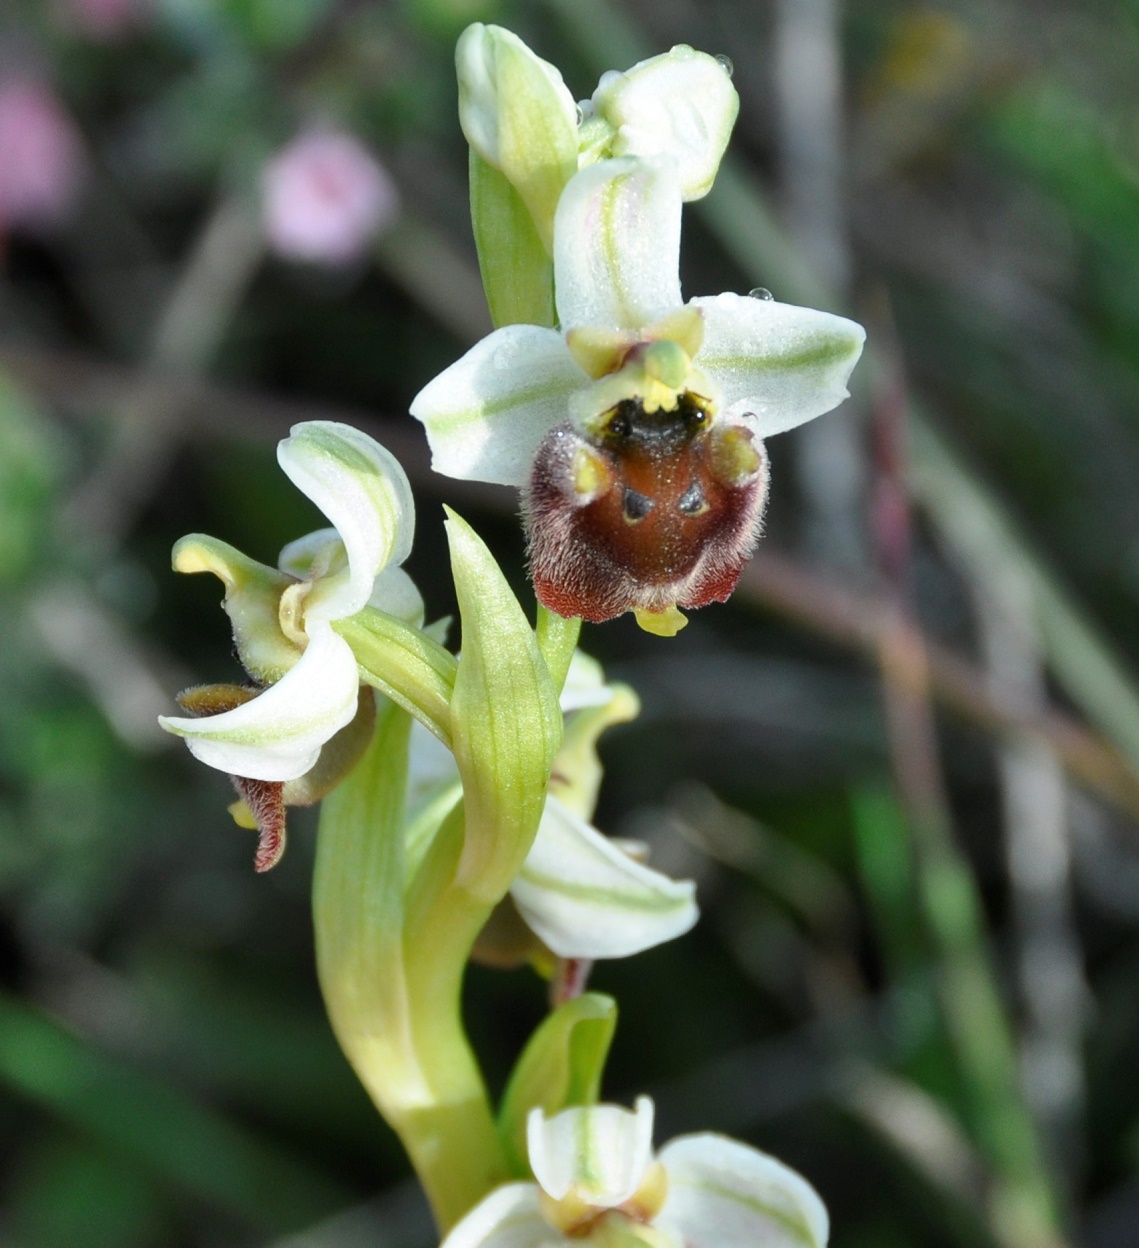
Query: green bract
point(580, 893)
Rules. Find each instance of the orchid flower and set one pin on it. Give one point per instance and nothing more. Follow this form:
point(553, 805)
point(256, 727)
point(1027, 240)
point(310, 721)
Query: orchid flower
point(579, 892)
point(306, 685)
point(636, 429)
point(598, 1183)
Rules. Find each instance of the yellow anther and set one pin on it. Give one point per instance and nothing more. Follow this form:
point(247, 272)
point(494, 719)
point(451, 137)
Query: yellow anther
point(735, 456)
point(589, 475)
point(292, 613)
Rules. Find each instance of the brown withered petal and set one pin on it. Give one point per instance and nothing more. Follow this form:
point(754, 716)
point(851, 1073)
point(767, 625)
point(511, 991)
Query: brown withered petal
point(203, 700)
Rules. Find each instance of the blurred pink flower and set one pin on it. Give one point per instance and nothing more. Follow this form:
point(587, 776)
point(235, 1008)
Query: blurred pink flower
point(41, 156)
point(325, 197)
point(105, 19)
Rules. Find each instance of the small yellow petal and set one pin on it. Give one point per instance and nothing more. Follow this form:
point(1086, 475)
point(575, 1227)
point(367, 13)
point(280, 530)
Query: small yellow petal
point(242, 815)
point(661, 623)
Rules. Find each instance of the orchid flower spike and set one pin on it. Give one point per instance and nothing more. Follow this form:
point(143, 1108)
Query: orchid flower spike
point(294, 732)
point(636, 430)
point(598, 1183)
point(581, 895)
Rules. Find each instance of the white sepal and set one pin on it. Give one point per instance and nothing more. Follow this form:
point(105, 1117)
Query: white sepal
point(312, 555)
point(361, 488)
point(680, 104)
point(278, 735)
point(724, 1194)
point(510, 1217)
point(487, 414)
point(397, 594)
point(783, 363)
point(585, 898)
point(617, 245)
point(596, 1153)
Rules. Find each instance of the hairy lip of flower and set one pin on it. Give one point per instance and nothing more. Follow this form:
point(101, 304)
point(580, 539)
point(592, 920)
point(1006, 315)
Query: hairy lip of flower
point(659, 507)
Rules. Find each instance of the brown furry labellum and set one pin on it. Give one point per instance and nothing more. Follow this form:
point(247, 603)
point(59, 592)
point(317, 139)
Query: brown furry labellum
point(657, 510)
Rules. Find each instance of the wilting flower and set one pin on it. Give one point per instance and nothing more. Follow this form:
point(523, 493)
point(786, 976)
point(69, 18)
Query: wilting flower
point(583, 895)
point(325, 197)
point(41, 156)
point(636, 430)
point(305, 704)
point(597, 1182)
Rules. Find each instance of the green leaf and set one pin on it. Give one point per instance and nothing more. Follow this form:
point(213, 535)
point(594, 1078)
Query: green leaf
point(506, 724)
point(517, 272)
point(560, 1067)
point(190, 1146)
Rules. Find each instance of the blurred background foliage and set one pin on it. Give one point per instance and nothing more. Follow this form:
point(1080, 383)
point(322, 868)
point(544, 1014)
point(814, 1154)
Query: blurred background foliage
point(902, 764)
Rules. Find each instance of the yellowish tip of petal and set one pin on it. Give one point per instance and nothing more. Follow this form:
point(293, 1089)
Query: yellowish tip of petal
point(661, 623)
point(197, 553)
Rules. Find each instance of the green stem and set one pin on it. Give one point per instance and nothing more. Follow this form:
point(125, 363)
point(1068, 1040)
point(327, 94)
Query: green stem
point(396, 1012)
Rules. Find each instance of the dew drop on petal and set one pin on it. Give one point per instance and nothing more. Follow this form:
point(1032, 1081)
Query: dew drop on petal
point(760, 292)
point(726, 63)
point(580, 115)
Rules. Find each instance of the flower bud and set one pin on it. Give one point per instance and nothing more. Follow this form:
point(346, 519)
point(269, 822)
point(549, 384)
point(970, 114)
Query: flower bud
point(518, 115)
point(680, 104)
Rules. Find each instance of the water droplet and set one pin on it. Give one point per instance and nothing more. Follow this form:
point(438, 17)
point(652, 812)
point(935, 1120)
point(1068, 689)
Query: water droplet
point(580, 115)
point(726, 63)
point(760, 292)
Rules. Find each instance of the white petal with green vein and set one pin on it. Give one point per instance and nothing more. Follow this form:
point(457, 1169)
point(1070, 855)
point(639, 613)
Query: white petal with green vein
point(598, 1153)
point(510, 1217)
point(586, 899)
point(278, 735)
point(486, 415)
point(723, 1194)
point(361, 488)
point(617, 245)
point(784, 363)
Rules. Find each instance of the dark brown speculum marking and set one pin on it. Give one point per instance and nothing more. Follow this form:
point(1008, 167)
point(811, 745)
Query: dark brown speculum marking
point(666, 513)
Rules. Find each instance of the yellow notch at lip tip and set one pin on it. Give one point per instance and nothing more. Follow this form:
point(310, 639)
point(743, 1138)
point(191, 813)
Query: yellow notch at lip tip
point(661, 623)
